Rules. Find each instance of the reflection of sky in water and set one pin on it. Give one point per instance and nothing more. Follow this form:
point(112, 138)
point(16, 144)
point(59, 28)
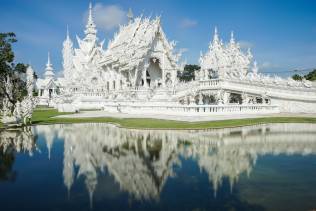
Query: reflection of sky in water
point(64, 167)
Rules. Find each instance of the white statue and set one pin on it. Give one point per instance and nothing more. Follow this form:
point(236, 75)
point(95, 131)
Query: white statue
point(8, 114)
point(21, 113)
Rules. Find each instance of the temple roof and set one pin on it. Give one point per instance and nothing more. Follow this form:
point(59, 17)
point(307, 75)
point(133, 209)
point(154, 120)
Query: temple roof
point(226, 58)
point(133, 42)
point(47, 83)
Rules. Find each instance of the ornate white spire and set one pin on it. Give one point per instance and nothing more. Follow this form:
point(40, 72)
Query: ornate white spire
point(216, 41)
point(91, 30)
point(49, 68)
point(68, 53)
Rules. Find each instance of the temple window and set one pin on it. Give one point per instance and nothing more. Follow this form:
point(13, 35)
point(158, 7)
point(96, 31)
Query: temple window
point(259, 100)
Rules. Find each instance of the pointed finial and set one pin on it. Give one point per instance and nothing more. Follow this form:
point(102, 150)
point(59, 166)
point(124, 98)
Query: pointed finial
point(216, 38)
point(49, 67)
point(90, 12)
point(232, 38)
point(130, 15)
point(67, 32)
point(48, 59)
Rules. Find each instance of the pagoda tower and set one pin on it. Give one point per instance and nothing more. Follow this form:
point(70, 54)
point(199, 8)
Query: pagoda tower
point(49, 70)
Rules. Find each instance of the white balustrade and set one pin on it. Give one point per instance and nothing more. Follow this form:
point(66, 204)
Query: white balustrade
point(210, 83)
point(190, 109)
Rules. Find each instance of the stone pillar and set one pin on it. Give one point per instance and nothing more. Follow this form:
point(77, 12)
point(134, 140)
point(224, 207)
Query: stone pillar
point(205, 74)
point(245, 98)
point(185, 100)
point(191, 99)
point(226, 97)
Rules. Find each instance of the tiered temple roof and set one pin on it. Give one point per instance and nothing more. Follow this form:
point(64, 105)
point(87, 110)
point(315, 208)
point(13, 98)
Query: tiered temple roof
point(134, 41)
point(49, 77)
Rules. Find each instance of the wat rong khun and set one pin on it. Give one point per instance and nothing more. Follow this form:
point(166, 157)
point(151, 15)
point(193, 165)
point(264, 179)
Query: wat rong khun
point(137, 74)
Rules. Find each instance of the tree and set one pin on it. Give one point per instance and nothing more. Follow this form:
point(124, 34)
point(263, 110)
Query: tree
point(311, 75)
point(188, 72)
point(297, 77)
point(10, 70)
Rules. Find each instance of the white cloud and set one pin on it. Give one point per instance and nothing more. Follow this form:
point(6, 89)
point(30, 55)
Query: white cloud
point(107, 17)
point(183, 50)
point(245, 44)
point(188, 23)
point(267, 65)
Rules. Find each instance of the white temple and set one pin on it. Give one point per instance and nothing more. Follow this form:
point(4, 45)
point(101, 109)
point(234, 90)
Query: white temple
point(137, 73)
point(48, 87)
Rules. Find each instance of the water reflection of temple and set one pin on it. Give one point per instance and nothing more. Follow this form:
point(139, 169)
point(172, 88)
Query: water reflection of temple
point(14, 141)
point(142, 161)
point(20, 140)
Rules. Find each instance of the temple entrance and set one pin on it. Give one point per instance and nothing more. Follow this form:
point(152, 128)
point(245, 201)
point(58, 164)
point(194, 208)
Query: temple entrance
point(154, 73)
point(50, 91)
point(235, 98)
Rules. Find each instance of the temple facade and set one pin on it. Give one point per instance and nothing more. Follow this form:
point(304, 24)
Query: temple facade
point(137, 73)
point(48, 87)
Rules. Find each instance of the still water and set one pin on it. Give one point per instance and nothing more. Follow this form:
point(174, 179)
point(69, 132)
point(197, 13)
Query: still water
point(102, 167)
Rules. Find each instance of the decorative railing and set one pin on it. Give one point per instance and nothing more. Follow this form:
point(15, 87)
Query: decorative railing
point(280, 85)
point(210, 83)
point(190, 109)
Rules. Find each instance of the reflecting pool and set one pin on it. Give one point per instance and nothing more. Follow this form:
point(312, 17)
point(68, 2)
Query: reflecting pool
point(102, 167)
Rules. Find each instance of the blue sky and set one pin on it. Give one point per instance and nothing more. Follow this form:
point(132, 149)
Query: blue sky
point(281, 34)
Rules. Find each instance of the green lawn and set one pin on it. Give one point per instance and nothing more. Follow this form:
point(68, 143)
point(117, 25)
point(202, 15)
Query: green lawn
point(43, 116)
